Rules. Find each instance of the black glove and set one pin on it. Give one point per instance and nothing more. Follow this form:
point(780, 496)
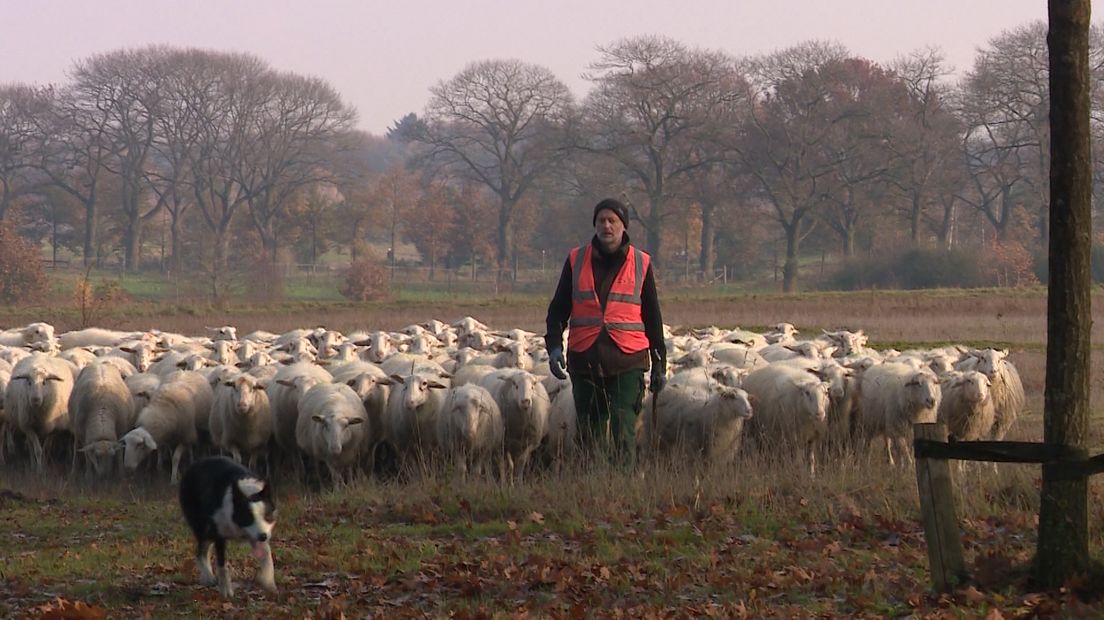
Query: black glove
point(556, 363)
point(657, 380)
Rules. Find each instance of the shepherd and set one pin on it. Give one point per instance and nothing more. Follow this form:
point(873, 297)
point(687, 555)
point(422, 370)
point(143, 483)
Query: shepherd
point(607, 296)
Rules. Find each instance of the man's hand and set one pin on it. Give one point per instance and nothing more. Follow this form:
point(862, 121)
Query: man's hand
point(556, 363)
point(657, 380)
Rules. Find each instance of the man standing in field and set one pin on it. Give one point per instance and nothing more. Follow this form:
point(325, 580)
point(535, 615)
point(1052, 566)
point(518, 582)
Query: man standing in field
point(608, 292)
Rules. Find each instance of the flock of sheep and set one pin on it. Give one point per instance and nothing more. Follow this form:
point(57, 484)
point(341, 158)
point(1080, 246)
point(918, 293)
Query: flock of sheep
point(462, 394)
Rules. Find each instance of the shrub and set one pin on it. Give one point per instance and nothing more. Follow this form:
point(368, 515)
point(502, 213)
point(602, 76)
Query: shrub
point(22, 277)
point(916, 268)
point(1009, 263)
point(93, 299)
point(366, 280)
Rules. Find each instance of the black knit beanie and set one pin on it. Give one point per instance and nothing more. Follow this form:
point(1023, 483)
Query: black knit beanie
point(612, 205)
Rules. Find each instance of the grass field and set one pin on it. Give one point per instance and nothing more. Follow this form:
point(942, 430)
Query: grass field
point(760, 539)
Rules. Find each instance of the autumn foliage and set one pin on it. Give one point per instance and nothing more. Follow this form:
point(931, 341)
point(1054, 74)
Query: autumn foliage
point(366, 280)
point(1009, 263)
point(22, 277)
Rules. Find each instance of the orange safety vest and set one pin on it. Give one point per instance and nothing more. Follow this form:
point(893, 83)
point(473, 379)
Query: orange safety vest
point(621, 318)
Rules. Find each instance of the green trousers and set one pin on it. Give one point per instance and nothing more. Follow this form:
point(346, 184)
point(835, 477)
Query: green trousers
point(607, 408)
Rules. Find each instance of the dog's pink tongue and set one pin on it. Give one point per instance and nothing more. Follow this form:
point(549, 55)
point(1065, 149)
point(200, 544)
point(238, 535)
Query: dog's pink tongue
point(259, 550)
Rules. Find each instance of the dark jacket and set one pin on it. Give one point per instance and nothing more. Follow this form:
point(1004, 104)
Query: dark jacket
point(604, 358)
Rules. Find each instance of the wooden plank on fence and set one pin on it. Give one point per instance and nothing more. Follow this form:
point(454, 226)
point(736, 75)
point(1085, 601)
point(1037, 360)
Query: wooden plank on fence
point(937, 509)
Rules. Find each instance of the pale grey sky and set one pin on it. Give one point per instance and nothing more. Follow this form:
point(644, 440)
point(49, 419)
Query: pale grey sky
point(383, 56)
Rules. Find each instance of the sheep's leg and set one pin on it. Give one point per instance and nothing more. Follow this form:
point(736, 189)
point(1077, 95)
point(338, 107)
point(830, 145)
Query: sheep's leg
point(73, 466)
point(178, 453)
point(889, 450)
point(37, 456)
point(203, 561)
point(236, 454)
point(810, 455)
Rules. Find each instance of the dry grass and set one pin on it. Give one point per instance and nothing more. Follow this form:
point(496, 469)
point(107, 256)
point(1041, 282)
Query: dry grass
point(399, 529)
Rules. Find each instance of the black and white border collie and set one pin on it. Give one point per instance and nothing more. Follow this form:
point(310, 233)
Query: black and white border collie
point(224, 501)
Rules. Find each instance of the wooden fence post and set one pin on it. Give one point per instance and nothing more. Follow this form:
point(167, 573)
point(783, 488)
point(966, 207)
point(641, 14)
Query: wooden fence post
point(937, 509)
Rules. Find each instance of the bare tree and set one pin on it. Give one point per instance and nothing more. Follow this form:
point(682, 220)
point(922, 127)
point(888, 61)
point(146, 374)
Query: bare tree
point(20, 106)
point(127, 86)
point(654, 100)
point(1005, 105)
point(290, 148)
point(781, 142)
point(497, 123)
point(924, 143)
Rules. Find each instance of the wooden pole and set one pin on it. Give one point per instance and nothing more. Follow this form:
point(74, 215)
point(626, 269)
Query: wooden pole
point(937, 509)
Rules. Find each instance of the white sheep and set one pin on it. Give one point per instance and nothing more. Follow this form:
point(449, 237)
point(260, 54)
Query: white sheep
point(703, 378)
point(966, 405)
point(791, 409)
point(5, 436)
point(331, 428)
point(226, 332)
point(563, 423)
point(241, 421)
point(142, 387)
point(37, 398)
point(373, 388)
point(379, 346)
point(525, 406)
point(288, 386)
point(29, 335)
point(510, 355)
point(470, 430)
point(95, 336)
point(1005, 386)
point(101, 411)
point(892, 398)
point(168, 421)
point(410, 420)
point(140, 353)
point(79, 357)
point(698, 424)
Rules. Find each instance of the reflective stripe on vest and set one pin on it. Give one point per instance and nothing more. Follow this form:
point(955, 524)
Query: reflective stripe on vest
point(621, 317)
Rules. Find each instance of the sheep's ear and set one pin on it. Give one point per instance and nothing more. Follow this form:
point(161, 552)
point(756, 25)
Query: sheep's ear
point(150, 443)
point(241, 364)
point(285, 382)
point(444, 374)
point(1003, 352)
point(398, 379)
point(52, 378)
point(228, 383)
point(385, 381)
point(355, 421)
point(437, 385)
point(128, 349)
point(318, 418)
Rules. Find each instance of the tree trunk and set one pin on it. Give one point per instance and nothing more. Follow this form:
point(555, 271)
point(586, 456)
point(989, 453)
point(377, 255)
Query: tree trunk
point(849, 240)
point(89, 251)
point(914, 219)
point(708, 237)
point(655, 238)
point(1063, 547)
point(505, 237)
point(174, 232)
point(131, 240)
point(789, 269)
